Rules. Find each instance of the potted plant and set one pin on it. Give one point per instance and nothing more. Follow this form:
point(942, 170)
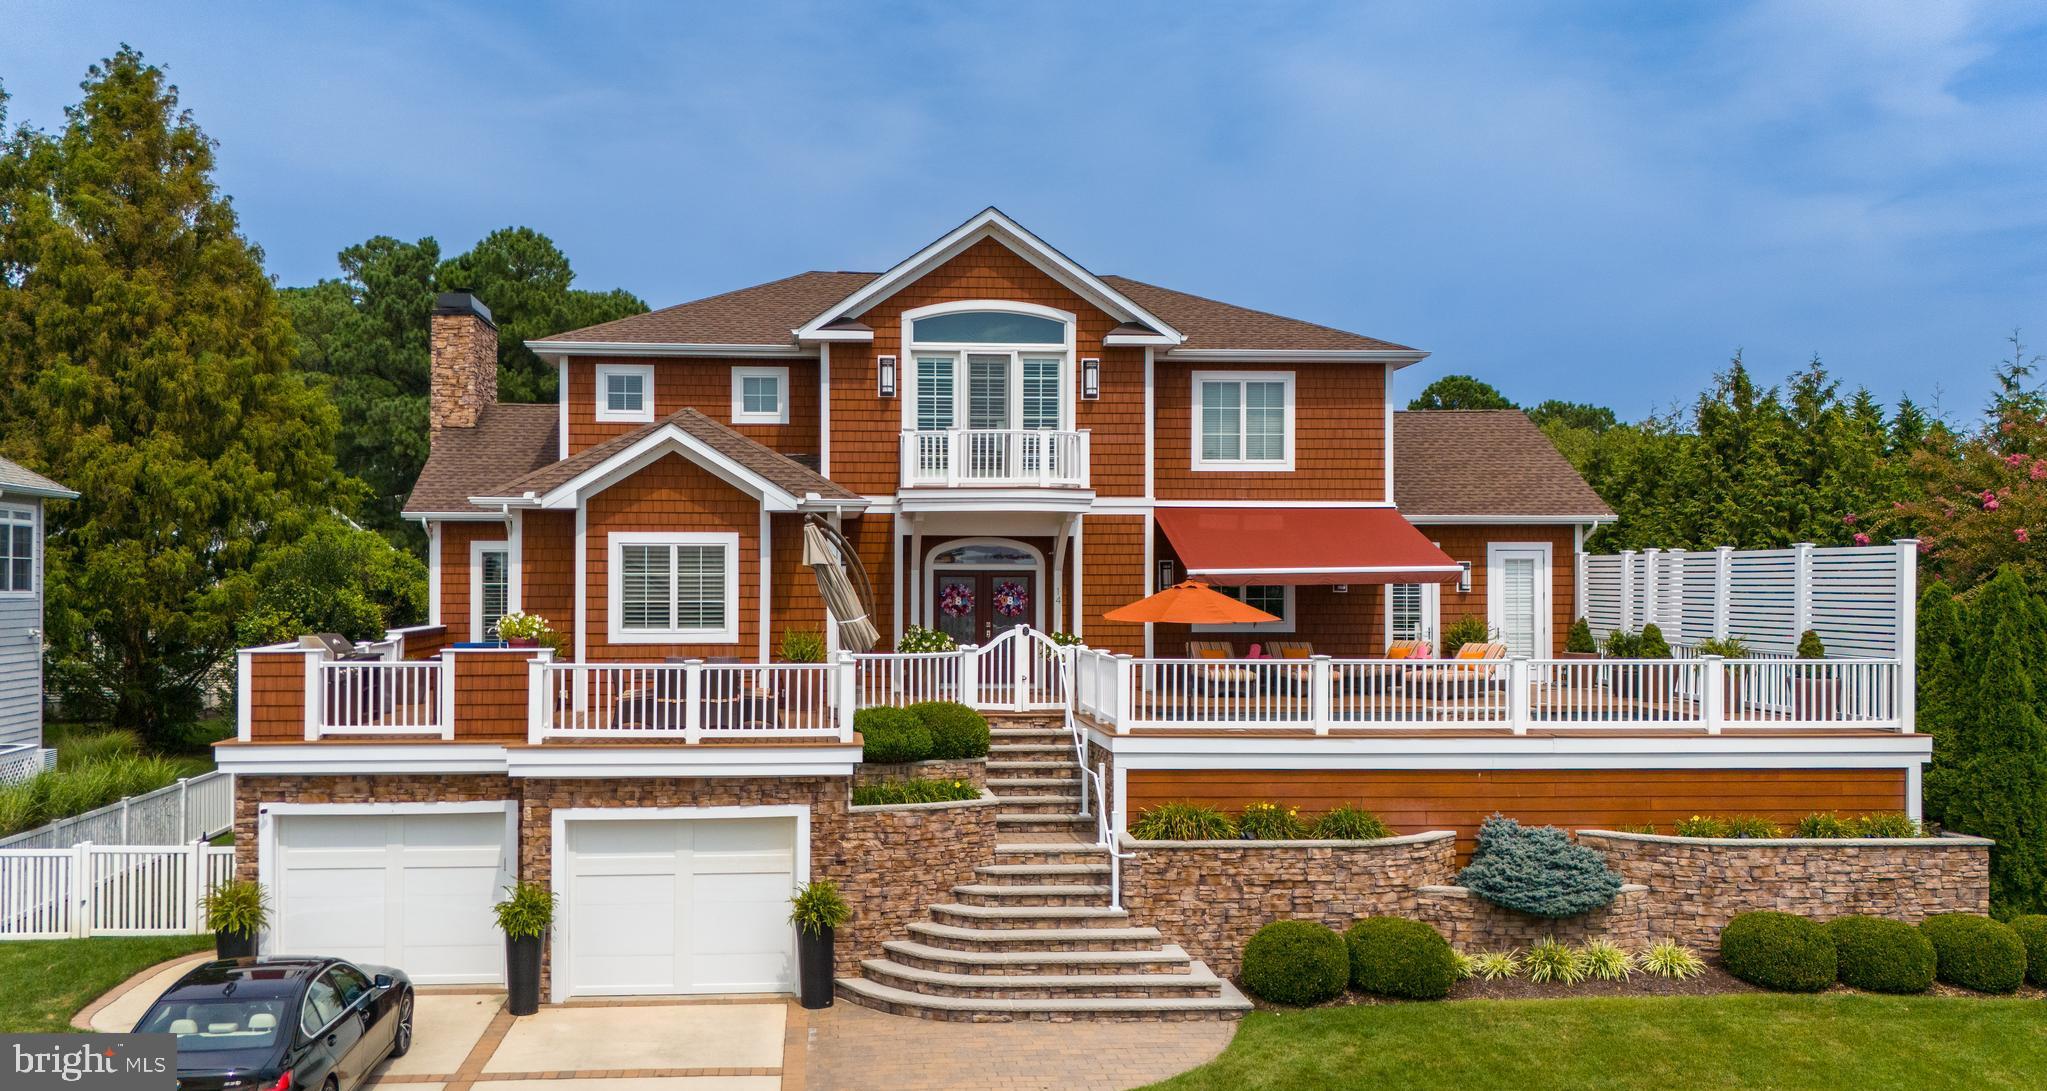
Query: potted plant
point(524, 917)
point(235, 910)
point(817, 910)
point(800, 646)
point(522, 630)
point(1578, 643)
point(1730, 682)
point(1814, 690)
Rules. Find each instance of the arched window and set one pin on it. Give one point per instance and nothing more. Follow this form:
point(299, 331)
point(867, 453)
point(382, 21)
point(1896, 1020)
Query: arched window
point(987, 328)
point(986, 555)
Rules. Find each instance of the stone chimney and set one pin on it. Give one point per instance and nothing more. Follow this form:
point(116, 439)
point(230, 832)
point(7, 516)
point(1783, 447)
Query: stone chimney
point(463, 361)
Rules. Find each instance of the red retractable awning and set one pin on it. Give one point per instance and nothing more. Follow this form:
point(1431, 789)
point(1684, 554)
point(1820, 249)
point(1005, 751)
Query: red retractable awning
point(1232, 546)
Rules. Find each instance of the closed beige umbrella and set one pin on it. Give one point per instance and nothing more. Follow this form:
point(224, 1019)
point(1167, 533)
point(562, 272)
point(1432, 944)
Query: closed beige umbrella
point(856, 633)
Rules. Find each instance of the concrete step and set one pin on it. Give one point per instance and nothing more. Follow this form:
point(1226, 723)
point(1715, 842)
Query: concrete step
point(1197, 982)
point(1067, 806)
point(957, 938)
point(1168, 959)
point(1042, 874)
point(1230, 1004)
point(1028, 916)
point(991, 894)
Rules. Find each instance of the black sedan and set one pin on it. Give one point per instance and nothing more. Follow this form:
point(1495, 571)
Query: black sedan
point(283, 1024)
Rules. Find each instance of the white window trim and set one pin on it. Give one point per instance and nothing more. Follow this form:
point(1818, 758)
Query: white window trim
point(739, 377)
point(1287, 615)
point(35, 550)
point(619, 634)
point(906, 368)
point(476, 552)
point(1238, 465)
point(1432, 612)
point(645, 414)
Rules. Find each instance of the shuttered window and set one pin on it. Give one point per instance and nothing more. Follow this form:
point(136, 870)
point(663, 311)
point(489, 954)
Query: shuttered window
point(496, 588)
point(1404, 622)
point(680, 587)
point(1517, 604)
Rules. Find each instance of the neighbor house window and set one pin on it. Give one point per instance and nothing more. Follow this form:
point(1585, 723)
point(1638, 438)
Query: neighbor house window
point(625, 392)
point(1274, 599)
point(760, 395)
point(675, 588)
point(17, 550)
point(1243, 420)
point(490, 587)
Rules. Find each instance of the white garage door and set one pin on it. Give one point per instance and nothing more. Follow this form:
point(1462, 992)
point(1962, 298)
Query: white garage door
point(407, 890)
point(680, 906)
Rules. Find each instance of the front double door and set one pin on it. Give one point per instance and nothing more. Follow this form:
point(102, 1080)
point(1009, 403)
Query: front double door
point(972, 607)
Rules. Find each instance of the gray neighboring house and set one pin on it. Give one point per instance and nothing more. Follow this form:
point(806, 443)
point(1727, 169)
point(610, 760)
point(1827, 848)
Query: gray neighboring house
point(23, 493)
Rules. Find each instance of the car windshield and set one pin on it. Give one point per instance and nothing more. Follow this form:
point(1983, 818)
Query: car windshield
point(218, 1023)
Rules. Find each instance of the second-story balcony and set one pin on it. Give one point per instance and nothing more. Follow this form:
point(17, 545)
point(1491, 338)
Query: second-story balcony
point(995, 458)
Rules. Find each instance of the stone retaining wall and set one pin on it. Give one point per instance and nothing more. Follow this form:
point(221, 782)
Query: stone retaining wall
point(1473, 924)
point(894, 862)
point(1697, 884)
point(1210, 896)
point(972, 770)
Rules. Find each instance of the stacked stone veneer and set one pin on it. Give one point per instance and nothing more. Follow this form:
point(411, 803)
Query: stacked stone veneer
point(1210, 896)
point(890, 862)
point(1471, 923)
point(972, 770)
point(1696, 885)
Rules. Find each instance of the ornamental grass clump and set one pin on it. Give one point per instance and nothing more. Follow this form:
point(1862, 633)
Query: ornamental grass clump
point(1778, 951)
point(914, 791)
point(1350, 823)
point(1180, 821)
point(1824, 825)
point(1296, 962)
point(1673, 960)
point(1550, 962)
point(1395, 956)
point(1881, 955)
point(1496, 965)
point(1605, 961)
point(1537, 870)
point(1270, 822)
point(1976, 952)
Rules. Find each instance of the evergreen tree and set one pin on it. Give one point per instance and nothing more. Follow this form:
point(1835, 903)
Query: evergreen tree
point(147, 365)
point(1940, 639)
point(1999, 786)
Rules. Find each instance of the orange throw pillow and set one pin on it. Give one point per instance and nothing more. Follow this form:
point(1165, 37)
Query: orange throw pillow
point(1296, 653)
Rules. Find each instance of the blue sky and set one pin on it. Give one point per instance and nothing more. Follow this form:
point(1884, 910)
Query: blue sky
point(1589, 201)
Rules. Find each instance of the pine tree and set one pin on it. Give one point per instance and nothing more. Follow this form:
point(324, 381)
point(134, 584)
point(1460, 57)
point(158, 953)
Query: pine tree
point(1999, 788)
point(1940, 639)
point(147, 366)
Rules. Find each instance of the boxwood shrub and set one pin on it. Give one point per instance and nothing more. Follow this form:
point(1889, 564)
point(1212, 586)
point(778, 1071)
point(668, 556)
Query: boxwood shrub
point(1976, 952)
point(2032, 930)
point(1395, 956)
point(1778, 951)
point(891, 735)
point(1295, 962)
point(956, 730)
point(1881, 955)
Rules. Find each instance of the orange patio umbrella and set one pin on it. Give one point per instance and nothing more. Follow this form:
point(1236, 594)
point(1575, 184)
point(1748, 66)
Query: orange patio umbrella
point(1189, 603)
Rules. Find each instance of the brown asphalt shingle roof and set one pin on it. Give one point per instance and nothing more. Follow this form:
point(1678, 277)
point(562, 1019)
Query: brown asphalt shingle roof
point(508, 440)
point(766, 313)
point(786, 473)
point(1483, 462)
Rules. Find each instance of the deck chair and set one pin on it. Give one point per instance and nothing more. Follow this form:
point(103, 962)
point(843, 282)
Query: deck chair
point(1461, 672)
point(1222, 675)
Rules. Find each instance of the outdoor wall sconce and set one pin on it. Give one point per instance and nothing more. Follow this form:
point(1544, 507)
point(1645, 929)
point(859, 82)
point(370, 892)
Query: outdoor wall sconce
point(1464, 577)
point(1165, 575)
point(1340, 589)
point(885, 376)
point(1090, 379)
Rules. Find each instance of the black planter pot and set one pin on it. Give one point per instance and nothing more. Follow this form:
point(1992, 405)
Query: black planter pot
point(522, 974)
point(814, 967)
point(228, 944)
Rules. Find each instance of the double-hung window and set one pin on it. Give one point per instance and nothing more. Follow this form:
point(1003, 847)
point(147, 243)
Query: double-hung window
point(674, 588)
point(1243, 420)
point(760, 395)
point(17, 550)
point(625, 392)
point(490, 587)
point(1274, 599)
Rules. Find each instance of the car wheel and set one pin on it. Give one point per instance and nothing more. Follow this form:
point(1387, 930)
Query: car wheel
point(401, 1039)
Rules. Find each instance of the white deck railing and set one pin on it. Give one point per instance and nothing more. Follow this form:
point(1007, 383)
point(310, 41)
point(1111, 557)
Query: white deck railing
point(994, 457)
point(381, 697)
point(1321, 694)
point(690, 702)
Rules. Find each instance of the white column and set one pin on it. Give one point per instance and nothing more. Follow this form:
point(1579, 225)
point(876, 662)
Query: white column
point(447, 694)
point(916, 576)
point(1517, 694)
point(1319, 679)
point(847, 679)
point(1649, 559)
point(824, 409)
point(1627, 618)
point(767, 562)
point(693, 701)
point(1079, 570)
point(314, 701)
point(1908, 645)
point(1801, 597)
point(895, 534)
point(1713, 700)
point(1723, 589)
point(433, 573)
point(582, 579)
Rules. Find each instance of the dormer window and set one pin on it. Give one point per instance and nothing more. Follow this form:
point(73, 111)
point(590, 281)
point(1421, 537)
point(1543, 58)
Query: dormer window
point(625, 392)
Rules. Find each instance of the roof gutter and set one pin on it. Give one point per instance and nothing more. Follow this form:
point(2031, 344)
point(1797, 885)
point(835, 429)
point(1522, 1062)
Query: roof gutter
point(1397, 358)
point(666, 348)
point(38, 492)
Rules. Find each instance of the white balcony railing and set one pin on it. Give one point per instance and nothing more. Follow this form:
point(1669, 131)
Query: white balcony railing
point(1008, 457)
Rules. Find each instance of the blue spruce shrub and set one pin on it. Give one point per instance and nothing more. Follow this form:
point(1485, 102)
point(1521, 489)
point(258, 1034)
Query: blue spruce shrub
point(1537, 870)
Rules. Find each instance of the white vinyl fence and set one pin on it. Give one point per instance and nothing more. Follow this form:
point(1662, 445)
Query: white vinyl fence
point(108, 890)
point(195, 808)
point(20, 761)
point(1860, 599)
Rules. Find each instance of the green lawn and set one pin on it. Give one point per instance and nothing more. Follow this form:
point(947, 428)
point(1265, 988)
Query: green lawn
point(44, 982)
point(1860, 1042)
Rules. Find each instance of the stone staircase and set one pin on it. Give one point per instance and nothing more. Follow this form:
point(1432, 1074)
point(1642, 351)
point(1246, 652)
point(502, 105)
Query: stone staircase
point(1033, 936)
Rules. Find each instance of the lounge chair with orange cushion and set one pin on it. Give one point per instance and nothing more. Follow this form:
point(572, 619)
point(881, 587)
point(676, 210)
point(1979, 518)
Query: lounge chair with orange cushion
point(1463, 669)
point(1222, 674)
